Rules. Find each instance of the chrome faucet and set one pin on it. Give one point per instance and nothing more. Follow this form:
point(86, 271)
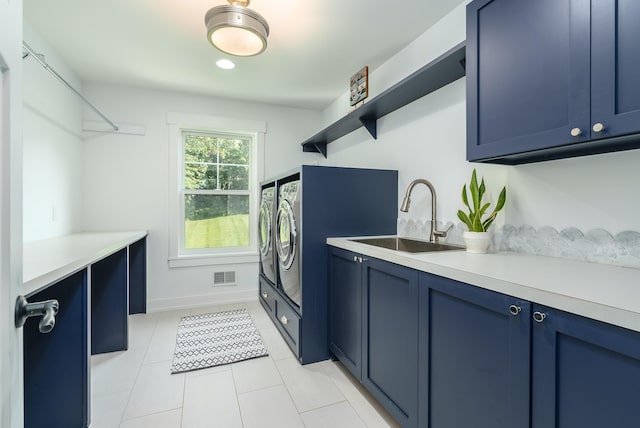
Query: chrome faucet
point(434, 234)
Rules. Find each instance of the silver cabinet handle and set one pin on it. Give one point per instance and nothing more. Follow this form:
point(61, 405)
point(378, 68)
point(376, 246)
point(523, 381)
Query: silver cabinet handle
point(539, 316)
point(514, 310)
point(284, 320)
point(264, 295)
point(598, 127)
point(362, 259)
point(355, 259)
point(47, 310)
point(576, 132)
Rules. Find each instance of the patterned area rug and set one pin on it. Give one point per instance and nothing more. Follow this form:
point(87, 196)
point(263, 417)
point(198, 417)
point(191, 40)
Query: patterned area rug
point(214, 339)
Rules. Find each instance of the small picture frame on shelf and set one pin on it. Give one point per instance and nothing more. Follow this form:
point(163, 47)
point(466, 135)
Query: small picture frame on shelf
point(359, 86)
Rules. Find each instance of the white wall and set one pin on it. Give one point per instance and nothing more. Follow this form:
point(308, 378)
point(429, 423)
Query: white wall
point(126, 180)
point(427, 139)
point(52, 146)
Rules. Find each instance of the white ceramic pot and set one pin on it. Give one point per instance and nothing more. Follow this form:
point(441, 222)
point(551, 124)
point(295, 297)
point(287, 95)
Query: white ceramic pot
point(477, 242)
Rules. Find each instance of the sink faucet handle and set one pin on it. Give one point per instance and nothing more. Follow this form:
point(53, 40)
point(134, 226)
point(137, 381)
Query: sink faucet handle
point(442, 233)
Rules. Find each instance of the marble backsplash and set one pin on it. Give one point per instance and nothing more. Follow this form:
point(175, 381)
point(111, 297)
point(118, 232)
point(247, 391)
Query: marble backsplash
point(597, 245)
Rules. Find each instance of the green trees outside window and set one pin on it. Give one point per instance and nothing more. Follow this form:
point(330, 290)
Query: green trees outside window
point(216, 190)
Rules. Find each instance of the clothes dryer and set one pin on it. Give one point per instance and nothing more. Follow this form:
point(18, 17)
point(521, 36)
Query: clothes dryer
point(287, 240)
point(265, 232)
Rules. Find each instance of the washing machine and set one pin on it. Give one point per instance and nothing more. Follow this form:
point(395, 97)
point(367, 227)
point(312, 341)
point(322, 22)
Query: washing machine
point(265, 232)
point(287, 240)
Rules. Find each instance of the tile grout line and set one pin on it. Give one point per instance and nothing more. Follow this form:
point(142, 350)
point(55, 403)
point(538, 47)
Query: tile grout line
point(233, 377)
point(138, 375)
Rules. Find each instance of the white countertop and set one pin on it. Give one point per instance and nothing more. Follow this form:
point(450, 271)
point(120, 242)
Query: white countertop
point(49, 260)
point(602, 292)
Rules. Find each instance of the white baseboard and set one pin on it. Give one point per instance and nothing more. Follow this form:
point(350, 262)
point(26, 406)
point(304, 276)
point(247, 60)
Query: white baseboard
point(186, 302)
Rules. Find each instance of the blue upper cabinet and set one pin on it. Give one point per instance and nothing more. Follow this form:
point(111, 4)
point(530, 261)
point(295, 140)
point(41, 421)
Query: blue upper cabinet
point(550, 79)
point(615, 67)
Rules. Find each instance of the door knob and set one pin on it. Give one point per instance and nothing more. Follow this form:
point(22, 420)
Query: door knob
point(47, 310)
point(539, 316)
point(576, 132)
point(514, 310)
point(598, 127)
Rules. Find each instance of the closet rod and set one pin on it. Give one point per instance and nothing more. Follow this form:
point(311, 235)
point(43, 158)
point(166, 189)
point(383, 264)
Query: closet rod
point(46, 66)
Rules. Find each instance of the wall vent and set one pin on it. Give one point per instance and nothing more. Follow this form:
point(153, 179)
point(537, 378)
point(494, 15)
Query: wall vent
point(224, 278)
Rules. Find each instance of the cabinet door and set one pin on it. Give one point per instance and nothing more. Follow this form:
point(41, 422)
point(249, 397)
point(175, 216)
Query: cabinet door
point(57, 364)
point(615, 101)
point(585, 373)
point(390, 342)
point(474, 356)
point(528, 75)
point(345, 309)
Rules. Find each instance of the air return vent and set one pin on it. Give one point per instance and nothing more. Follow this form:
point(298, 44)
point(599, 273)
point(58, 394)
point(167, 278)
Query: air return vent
point(224, 278)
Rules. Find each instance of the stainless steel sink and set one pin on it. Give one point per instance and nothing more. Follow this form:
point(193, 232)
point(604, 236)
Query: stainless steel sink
point(408, 245)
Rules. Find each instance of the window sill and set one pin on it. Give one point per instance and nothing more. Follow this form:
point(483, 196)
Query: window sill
point(212, 260)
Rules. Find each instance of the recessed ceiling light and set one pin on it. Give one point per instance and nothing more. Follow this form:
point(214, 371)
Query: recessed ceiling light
point(225, 64)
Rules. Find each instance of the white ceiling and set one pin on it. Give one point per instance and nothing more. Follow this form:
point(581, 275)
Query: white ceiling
point(313, 46)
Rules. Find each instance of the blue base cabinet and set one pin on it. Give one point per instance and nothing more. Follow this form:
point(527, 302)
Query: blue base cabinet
point(551, 79)
point(474, 356)
point(138, 277)
point(373, 328)
point(585, 373)
point(56, 364)
point(110, 304)
point(390, 338)
point(345, 309)
point(438, 353)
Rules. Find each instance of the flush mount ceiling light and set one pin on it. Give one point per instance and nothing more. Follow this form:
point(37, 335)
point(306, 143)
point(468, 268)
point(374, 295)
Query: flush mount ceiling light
point(237, 30)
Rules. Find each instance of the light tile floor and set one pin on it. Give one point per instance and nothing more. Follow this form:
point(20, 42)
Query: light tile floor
point(134, 388)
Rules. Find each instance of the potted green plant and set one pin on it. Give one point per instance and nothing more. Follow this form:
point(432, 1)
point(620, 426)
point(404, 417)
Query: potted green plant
point(477, 239)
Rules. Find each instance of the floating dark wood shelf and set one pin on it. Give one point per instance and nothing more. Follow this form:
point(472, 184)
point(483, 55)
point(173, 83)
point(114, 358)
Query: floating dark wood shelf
point(445, 69)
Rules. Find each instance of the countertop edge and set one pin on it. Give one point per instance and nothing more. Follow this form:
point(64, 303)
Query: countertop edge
point(73, 253)
point(532, 278)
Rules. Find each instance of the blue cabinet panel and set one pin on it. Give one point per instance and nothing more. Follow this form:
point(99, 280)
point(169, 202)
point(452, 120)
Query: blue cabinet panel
point(615, 87)
point(390, 338)
point(528, 68)
point(335, 202)
point(585, 373)
point(138, 277)
point(109, 304)
point(56, 364)
point(474, 356)
point(345, 309)
point(267, 295)
point(543, 76)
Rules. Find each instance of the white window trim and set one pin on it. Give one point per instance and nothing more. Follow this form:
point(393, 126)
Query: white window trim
point(179, 122)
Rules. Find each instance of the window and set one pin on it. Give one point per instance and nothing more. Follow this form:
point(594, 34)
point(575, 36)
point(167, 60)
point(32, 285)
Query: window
point(216, 190)
point(213, 190)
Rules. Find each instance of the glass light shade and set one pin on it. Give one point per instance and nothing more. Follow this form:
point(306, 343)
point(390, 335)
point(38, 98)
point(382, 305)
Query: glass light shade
point(237, 41)
point(237, 30)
